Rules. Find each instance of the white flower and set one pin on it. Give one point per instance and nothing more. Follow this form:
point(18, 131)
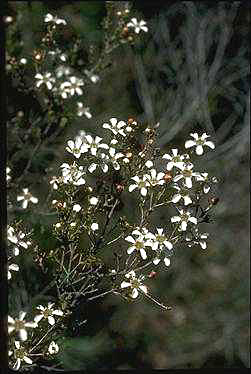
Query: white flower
point(83, 110)
point(155, 179)
point(49, 18)
point(183, 219)
point(76, 207)
point(73, 174)
point(47, 313)
point(94, 144)
point(187, 173)
point(73, 86)
point(46, 79)
point(54, 182)
point(8, 170)
point(149, 164)
point(26, 197)
point(134, 283)
point(117, 127)
point(17, 239)
point(93, 77)
point(142, 184)
point(93, 200)
point(203, 177)
point(13, 267)
point(20, 355)
point(182, 194)
point(53, 348)
point(159, 240)
point(139, 244)
point(167, 261)
point(77, 147)
point(141, 25)
point(113, 157)
point(174, 160)
point(19, 325)
point(199, 142)
point(198, 238)
point(94, 226)
point(63, 70)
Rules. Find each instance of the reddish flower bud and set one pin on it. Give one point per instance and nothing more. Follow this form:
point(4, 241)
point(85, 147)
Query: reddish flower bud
point(168, 177)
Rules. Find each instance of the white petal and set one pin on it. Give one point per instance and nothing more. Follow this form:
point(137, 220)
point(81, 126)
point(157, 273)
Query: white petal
point(135, 293)
point(199, 150)
point(130, 250)
point(183, 226)
point(51, 320)
point(176, 198)
point(132, 187)
point(143, 191)
point(143, 253)
point(190, 143)
point(27, 360)
point(210, 144)
point(156, 261)
point(193, 220)
point(130, 239)
point(125, 284)
point(143, 288)
point(188, 182)
point(175, 219)
point(58, 312)
point(187, 200)
point(167, 261)
point(23, 334)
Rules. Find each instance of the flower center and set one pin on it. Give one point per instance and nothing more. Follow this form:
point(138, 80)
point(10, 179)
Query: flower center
point(187, 173)
point(139, 245)
point(160, 238)
point(19, 325)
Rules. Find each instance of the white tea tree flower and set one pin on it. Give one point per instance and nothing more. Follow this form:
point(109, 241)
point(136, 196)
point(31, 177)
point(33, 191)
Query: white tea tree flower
point(174, 160)
point(134, 283)
point(8, 170)
point(63, 70)
point(183, 219)
point(181, 193)
point(46, 79)
point(47, 313)
point(203, 177)
point(73, 85)
point(19, 325)
point(83, 110)
point(94, 226)
point(53, 348)
point(12, 267)
point(26, 198)
point(155, 179)
point(159, 240)
point(199, 142)
point(76, 148)
point(186, 173)
point(73, 174)
point(137, 25)
point(94, 144)
point(139, 244)
point(141, 184)
point(116, 127)
point(197, 238)
point(49, 18)
point(20, 355)
point(113, 157)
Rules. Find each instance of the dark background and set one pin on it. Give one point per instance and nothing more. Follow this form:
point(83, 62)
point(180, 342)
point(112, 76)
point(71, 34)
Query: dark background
point(164, 78)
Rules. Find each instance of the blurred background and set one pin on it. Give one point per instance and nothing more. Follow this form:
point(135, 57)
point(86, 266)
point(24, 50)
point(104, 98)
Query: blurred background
point(190, 73)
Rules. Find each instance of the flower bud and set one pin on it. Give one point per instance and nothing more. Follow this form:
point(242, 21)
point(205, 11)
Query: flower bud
point(213, 200)
point(168, 177)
